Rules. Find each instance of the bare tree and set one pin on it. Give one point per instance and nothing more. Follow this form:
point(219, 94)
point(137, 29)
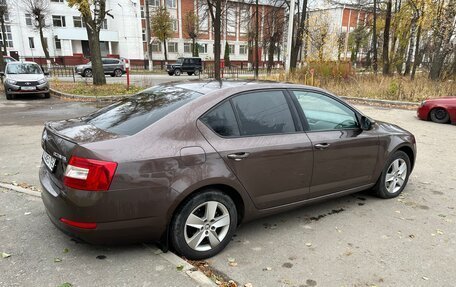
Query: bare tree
point(215, 11)
point(39, 11)
point(3, 17)
point(93, 14)
point(191, 23)
point(386, 38)
point(148, 36)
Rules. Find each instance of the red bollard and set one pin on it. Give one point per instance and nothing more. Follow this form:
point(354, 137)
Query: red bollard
point(128, 78)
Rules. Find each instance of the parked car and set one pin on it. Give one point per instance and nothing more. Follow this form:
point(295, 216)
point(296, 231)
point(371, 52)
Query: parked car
point(440, 110)
point(111, 66)
point(24, 78)
point(8, 59)
point(190, 66)
point(190, 161)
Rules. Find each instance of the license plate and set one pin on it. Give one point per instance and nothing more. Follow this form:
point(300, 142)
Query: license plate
point(28, 88)
point(49, 161)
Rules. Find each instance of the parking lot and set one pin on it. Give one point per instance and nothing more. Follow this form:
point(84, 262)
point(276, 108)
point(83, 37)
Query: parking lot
point(356, 240)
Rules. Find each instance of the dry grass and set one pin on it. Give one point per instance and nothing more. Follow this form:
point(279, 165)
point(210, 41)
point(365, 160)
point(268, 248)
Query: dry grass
point(376, 87)
point(87, 89)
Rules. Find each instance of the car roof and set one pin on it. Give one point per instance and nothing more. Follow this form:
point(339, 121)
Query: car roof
point(208, 86)
point(21, 62)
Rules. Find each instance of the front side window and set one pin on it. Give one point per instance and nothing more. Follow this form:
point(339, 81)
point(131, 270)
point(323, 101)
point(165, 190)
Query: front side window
point(324, 113)
point(134, 114)
point(222, 120)
point(262, 113)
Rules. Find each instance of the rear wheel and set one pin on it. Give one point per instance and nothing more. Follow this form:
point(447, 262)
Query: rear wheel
point(204, 225)
point(88, 73)
point(177, 72)
point(439, 115)
point(394, 176)
point(197, 72)
point(118, 72)
point(189, 73)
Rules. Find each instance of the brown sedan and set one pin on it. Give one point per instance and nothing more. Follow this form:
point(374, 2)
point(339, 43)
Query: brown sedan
point(185, 163)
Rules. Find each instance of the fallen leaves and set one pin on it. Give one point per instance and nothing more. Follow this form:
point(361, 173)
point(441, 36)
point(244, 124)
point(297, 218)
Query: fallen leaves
point(232, 262)
point(57, 260)
point(180, 267)
point(5, 255)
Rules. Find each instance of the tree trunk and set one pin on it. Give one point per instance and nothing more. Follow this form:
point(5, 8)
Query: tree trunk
point(299, 37)
point(386, 34)
point(44, 43)
point(2, 20)
point(217, 38)
point(95, 53)
point(271, 55)
point(408, 62)
point(374, 39)
point(165, 49)
point(194, 48)
point(417, 59)
point(148, 32)
point(257, 32)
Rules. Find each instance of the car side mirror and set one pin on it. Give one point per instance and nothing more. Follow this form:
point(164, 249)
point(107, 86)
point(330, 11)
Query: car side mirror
point(366, 123)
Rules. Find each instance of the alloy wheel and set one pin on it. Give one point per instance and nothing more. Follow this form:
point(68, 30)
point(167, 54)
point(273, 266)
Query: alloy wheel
point(207, 226)
point(396, 175)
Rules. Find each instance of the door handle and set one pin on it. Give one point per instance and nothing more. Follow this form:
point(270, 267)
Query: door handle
point(322, 146)
point(238, 156)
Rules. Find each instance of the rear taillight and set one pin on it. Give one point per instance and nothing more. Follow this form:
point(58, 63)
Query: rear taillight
point(89, 174)
point(83, 225)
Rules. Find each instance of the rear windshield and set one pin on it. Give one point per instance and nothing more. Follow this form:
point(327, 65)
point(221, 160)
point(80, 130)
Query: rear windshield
point(134, 114)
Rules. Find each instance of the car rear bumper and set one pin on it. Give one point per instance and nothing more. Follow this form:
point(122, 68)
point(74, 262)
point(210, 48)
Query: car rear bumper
point(80, 208)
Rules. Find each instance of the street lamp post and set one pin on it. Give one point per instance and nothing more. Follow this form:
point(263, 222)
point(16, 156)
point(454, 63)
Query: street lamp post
point(290, 36)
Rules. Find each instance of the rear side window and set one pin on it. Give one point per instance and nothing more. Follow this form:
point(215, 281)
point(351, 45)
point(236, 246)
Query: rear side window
point(262, 113)
point(222, 120)
point(134, 114)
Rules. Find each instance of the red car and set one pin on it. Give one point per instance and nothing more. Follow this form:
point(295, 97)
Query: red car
point(441, 110)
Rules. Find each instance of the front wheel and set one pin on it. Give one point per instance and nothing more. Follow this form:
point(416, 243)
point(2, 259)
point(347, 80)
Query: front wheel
point(8, 96)
point(439, 115)
point(177, 72)
point(204, 225)
point(47, 95)
point(118, 73)
point(394, 176)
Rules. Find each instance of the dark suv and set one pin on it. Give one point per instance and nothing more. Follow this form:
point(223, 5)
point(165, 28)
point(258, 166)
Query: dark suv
point(185, 65)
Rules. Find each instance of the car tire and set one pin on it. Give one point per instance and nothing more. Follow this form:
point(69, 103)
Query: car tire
point(197, 72)
point(197, 235)
point(170, 74)
point(118, 73)
point(177, 72)
point(88, 73)
point(47, 95)
point(9, 96)
point(189, 73)
point(394, 176)
point(439, 115)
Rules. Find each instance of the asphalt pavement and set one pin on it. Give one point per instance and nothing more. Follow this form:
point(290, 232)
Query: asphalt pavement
point(357, 240)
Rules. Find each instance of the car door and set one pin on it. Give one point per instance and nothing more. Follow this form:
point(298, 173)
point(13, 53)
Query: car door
point(106, 66)
point(260, 138)
point(344, 155)
point(186, 65)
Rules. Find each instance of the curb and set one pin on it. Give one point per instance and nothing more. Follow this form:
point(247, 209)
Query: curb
point(62, 95)
point(20, 189)
point(387, 102)
point(191, 271)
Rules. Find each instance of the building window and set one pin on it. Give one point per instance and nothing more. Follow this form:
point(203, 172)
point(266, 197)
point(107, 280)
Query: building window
point(202, 48)
point(28, 19)
point(144, 38)
point(9, 37)
point(243, 49)
point(58, 1)
point(78, 23)
point(187, 47)
point(154, 3)
point(143, 13)
point(171, 3)
point(175, 26)
point(58, 21)
point(58, 44)
point(172, 47)
point(31, 43)
point(104, 25)
point(231, 47)
point(156, 47)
